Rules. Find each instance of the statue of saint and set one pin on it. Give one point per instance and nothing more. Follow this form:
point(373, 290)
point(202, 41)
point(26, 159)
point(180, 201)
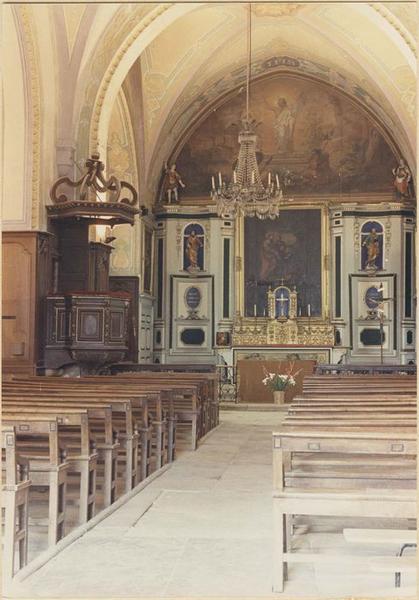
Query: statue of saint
point(402, 179)
point(372, 244)
point(193, 244)
point(172, 181)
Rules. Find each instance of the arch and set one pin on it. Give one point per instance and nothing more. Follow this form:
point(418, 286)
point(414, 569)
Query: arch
point(149, 28)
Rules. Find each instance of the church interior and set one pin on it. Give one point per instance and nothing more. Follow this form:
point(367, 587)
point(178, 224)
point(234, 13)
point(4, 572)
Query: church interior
point(209, 299)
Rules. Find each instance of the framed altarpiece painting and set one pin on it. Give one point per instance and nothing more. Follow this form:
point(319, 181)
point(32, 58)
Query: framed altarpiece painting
point(290, 250)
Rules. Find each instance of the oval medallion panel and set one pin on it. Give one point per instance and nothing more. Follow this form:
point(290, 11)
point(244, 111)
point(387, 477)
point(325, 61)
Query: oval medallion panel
point(193, 297)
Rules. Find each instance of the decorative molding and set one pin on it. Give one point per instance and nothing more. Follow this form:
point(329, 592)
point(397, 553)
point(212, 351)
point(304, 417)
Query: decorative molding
point(32, 70)
point(119, 55)
point(394, 22)
point(179, 236)
point(387, 238)
point(264, 332)
point(356, 236)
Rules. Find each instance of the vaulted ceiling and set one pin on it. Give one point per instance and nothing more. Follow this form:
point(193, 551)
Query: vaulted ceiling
point(171, 64)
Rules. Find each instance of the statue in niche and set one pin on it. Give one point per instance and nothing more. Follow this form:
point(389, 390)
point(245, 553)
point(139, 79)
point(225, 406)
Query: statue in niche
point(402, 180)
point(171, 182)
point(194, 248)
point(372, 242)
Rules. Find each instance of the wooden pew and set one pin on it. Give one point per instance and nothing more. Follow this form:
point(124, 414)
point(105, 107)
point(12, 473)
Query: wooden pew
point(121, 419)
point(181, 401)
point(331, 500)
point(15, 498)
point(89, 439)
point(48, 468)
point(143, 416)
point(333, 450)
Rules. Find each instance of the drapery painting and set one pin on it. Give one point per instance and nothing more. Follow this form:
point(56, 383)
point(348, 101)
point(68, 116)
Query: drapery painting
point(285, 251)
point(335, 149)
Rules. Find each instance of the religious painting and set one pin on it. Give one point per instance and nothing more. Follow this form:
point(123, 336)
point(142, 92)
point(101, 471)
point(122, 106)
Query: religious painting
point(193, 248)
point(286, 251)
point(222, 338)
point(148, 259)
point(371, 246)
point(309, 134)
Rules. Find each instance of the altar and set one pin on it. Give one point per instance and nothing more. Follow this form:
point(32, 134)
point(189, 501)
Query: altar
point(270, 343)
point(250, 374)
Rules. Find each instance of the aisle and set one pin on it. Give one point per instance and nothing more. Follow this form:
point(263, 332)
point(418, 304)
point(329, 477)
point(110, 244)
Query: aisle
point(203, 529)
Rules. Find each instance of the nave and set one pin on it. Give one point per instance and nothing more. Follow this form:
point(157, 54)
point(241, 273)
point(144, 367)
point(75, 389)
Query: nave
point(204, 529)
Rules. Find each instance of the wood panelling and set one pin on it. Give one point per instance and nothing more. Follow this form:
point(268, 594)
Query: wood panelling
point(27, 277)
point(130, 285)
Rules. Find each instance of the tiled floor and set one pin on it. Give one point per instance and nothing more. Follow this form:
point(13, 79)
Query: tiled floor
point(202, 529)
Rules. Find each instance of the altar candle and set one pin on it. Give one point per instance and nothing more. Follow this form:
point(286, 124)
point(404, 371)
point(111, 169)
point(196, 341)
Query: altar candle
point(277, 181)
point(264, 312)
point(299, 312)
point(254, 310)
point(234, 176)
point(213, 182)
point(220, 181)
point(253, 177)
point(269, 178)
point(309, 310)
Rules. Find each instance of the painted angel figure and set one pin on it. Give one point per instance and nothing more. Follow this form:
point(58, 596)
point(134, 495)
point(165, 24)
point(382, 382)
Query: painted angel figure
point(402, 179)
point(172, 181)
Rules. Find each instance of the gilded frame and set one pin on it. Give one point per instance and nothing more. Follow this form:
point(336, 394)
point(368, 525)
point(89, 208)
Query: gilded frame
point(325, 256)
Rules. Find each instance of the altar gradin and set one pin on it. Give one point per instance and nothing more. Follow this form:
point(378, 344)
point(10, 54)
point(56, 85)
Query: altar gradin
point(282, 325)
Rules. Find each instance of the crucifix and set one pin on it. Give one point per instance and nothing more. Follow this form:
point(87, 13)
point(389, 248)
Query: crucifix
point(282, 300)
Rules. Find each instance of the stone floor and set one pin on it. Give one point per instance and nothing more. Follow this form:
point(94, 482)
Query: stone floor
point(203, 529)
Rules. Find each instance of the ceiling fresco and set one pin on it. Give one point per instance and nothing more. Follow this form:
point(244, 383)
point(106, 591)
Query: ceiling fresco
point(335, 149)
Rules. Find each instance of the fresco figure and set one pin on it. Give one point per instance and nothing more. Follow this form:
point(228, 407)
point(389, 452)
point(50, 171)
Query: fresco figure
point(402, 179)
point(193, 248)
point(283, 125)
point(372, 246)
point(171, 182)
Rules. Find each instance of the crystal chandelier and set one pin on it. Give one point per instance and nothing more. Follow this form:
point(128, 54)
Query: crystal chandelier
point(246, 195)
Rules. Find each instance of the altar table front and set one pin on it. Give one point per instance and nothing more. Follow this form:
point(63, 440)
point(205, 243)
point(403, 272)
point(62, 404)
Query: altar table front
point(250, 373)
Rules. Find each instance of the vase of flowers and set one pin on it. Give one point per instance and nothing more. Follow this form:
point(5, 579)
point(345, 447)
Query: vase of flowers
point(279, 382)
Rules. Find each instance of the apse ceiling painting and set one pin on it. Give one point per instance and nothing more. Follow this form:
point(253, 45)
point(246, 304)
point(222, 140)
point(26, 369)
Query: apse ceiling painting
point(316, 139)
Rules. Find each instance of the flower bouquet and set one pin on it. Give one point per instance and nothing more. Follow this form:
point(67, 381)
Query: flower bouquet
point(279, 382)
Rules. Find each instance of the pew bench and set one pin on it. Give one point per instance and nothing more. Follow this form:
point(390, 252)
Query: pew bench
point(382, 504)
point(314, 475)
point(48, 465)
point(15, 502)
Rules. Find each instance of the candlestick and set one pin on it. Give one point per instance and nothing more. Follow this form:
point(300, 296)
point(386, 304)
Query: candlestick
point(234, 176)
point(253, 177)
point(254, 310)
point(213, 182)
point(309, 310)
point(277, 181)
point(269, 178)
point(220, 181)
